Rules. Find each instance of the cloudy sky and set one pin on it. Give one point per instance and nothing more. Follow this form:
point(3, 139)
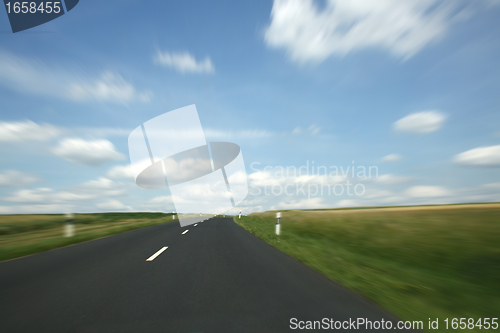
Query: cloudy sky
point(409, 88)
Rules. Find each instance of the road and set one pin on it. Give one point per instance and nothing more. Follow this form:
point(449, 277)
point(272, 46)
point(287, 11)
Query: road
point(216, 277)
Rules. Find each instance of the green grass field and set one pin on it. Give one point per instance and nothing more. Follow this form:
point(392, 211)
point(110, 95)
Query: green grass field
point(21, 235)
point(416, 262)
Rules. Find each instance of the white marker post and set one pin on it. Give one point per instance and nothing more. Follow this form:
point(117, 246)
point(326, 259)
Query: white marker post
point(69, 229)
point(173, 215)
point(240, 214)
point(278, 216)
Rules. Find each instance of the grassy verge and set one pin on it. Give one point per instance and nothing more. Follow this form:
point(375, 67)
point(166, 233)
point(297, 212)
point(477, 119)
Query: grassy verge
point(416, 262)
point(21, 235)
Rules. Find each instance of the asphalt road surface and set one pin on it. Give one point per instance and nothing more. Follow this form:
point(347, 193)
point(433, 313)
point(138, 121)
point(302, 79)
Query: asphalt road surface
point(216, 277)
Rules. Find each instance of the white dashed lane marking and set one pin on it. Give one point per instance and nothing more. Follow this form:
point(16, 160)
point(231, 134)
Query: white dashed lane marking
point(185, 231)
point(196, 224)
point(157, 254)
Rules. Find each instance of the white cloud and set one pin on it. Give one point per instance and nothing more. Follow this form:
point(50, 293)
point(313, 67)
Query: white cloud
point(184, 62)
point(412, 196)
point(482, 156)
point(102, 187)
point(102, 131)
point(376, 194)
point(165, 199)
point(121, 172)
point(313, 129)
point(45, 196)
point(348, 203)
point(300, 204)
point(392, 158)
point(89, 197)
point(93, 153)
point(27, 130)
point(113, 205)
point(401, 27)
point(389, 179)
point(282, 176)
point(93, 192)
point(211, 133)
point(109, 87)
point(197, 193)
point(101, 183)
point(425, 195)
point(281, 179)
point(427, 192)
point(188, 168)
point(157, 204)
point(492, 186)
point(420, 122)
point(36, 77)
point(13, 178)
point(37, 209)
point(253, 134)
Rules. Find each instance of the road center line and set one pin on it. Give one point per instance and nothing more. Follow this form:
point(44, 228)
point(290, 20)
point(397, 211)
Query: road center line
point(185, 231)
point(157, 254)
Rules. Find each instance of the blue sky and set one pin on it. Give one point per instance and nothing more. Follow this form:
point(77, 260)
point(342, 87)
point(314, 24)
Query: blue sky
point(410, 87)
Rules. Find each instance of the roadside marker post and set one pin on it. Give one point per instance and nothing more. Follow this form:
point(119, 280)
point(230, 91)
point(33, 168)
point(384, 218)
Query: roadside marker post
point(240, 214)
point(278, 217)
point(173, 215)
point(69, 229)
